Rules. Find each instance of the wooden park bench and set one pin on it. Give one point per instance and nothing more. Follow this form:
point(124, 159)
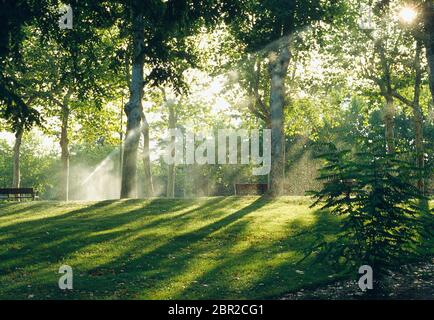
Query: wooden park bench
point(244, 189)
point(18, 193)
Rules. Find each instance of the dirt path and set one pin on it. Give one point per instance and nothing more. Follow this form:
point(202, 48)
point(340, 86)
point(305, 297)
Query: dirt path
point(414, 281)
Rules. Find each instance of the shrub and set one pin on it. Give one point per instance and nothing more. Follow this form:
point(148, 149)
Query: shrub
point(379, 205)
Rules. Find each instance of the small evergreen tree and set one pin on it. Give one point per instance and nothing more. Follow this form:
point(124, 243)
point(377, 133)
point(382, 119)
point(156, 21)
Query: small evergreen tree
point(373, 193)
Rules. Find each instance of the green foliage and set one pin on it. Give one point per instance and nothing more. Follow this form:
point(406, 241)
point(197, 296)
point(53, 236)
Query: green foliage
point(5, 164)
point(260, 23)
point(17, 112)
point(372, 190)
point(38, 165)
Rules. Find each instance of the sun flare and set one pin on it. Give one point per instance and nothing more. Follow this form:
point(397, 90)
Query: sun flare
point(407, 15)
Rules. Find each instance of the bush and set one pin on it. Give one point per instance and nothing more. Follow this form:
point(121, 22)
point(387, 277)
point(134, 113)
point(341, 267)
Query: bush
point(379, 205)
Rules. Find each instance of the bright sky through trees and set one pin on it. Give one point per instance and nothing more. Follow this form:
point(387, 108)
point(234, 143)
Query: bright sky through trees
point(407, 14)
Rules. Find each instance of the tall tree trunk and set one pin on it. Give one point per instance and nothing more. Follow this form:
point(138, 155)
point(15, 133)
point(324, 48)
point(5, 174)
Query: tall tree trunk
point(418, 138)
point(148, 186)
point(16, 166)
point(188, 174)
point(64, 145)
point(134, 107)
point(389, 122)
point(430, 59)
point(385, 84)
point(418, 119)
point(429, 44)
point(277, 68)
point(171, 170)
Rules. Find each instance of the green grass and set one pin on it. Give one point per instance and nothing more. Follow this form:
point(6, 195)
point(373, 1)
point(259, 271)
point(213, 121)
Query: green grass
point(209, 248)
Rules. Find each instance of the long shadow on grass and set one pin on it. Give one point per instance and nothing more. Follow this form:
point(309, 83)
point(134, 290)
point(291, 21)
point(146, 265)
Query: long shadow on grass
point(232, 262)
point(21, 207)
point(106, 215)
point(67, 232)
point(185, 217)
point(55, 238)
point(26, 240)
point(148, 263)
point(37, 207)
point(98, 212)
point(267, 269)
point(178, 242)
point(154, 214)
point(160, 264)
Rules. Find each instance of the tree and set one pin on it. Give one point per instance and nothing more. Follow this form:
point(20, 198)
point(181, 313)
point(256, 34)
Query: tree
point(428, 31)
point(382, 60)
point(70, 62)
point(82, 67)
point(18, 110)
point(20, 122)
point(390, 42)
point(372, 191)
point(16, 92)
point(172, 123)
point(392, 58)
point(267, 28)
point(166, 26)
point(418, 118)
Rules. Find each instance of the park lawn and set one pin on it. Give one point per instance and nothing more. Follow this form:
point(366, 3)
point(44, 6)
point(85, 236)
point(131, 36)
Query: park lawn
point(206, 248)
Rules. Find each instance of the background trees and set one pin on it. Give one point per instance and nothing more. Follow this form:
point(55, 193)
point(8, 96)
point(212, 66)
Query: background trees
point(159, 33)
point(427, 14)
point(268, 29)
point(303, 69)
